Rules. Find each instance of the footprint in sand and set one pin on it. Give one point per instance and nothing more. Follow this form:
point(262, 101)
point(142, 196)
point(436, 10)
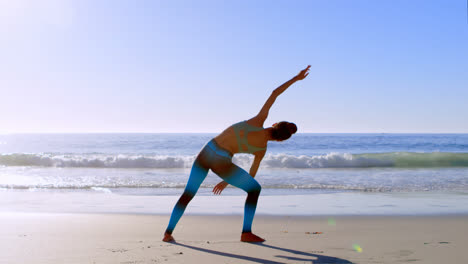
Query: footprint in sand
point(405, 253)
point(120, 250)
point(441, 242)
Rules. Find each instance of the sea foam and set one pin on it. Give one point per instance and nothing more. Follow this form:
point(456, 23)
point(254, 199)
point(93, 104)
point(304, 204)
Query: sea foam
point(330, 160)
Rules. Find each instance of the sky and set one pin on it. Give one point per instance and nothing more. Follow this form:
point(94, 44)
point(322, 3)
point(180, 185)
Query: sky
point(199, 66)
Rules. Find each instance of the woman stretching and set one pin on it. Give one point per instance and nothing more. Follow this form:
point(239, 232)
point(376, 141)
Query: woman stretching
point(244, 137)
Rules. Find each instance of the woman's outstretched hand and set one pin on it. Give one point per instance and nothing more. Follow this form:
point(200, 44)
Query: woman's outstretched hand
point(303, 74)
point(219, 187)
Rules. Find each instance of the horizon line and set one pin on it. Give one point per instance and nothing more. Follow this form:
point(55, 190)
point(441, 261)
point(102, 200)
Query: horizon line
point(113, 132)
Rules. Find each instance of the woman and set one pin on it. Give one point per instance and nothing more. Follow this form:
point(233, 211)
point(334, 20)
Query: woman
point(244, 137)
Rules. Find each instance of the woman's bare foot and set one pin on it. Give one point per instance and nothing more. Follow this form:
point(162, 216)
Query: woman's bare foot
point(249, 237)
point(168, 238)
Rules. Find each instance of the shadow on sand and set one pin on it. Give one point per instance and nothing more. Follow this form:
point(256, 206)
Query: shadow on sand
point(317, 259)
point(320, 259)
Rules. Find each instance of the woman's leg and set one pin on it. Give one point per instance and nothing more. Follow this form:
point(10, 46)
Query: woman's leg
point(197, 175)
point(238, 177)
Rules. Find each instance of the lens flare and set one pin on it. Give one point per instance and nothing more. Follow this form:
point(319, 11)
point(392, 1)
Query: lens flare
point(357, 248)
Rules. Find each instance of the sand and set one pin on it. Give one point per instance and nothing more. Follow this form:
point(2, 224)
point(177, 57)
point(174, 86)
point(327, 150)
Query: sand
point(118, 238)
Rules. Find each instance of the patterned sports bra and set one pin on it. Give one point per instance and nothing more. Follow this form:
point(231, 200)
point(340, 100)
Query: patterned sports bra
point(242, 141)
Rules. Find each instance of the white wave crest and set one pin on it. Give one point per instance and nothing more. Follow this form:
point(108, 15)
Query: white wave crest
point(97, 161)
point(331, 160)
point(100, 189)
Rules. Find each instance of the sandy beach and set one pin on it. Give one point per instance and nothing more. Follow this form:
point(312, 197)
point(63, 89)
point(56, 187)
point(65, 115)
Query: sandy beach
point(340, 126)
point(118, 238)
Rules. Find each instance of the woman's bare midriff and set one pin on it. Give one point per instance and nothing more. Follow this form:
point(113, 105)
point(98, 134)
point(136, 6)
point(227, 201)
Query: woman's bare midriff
point(227, 139)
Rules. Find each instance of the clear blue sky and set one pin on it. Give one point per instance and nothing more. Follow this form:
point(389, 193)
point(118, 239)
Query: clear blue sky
point(199, 66)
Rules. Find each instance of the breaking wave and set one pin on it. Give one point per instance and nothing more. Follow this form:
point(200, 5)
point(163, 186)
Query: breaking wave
point(331, 160)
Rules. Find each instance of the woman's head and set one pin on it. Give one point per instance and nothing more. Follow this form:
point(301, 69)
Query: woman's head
point(283, 130)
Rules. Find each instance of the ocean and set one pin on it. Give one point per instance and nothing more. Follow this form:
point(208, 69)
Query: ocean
point(409, 173)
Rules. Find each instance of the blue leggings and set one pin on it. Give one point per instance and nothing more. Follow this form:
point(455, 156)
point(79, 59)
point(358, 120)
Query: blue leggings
point(220, 162)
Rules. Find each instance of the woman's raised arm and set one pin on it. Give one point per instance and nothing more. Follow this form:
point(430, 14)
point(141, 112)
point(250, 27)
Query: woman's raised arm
point(260, 118)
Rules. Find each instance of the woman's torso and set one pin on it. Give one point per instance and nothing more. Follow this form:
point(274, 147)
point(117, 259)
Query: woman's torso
point(229, 141)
